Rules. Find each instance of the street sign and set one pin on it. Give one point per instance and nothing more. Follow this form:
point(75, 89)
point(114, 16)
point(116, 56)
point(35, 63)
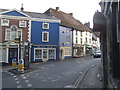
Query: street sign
point(14, 63)
point(21, 65)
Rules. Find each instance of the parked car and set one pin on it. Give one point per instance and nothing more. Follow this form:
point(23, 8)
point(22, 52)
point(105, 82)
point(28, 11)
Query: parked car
point(97, 54)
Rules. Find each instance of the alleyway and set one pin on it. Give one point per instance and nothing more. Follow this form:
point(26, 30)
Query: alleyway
point(74, 73)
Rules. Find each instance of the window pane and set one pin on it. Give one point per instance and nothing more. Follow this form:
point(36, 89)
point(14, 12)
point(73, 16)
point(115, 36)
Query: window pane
point(7, 37)
point(38, 53)
point(51, 53)
point(45, 53)
point(67, 51)
point(5, 22)
point(13, 32)
point(45, 37)
point(22, 23)
point(19, 34)
point(45, 25)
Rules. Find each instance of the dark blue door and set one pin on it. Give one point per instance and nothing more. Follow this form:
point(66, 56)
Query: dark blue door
point(13, 54)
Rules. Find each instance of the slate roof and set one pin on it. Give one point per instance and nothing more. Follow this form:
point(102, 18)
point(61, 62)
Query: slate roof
point(34, 14)
point(67, 20)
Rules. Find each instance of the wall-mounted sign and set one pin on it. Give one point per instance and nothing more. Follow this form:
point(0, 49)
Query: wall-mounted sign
point(99, 22)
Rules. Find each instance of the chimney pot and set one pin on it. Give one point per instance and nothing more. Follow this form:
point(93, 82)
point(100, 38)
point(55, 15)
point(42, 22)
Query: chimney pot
point(57, 8)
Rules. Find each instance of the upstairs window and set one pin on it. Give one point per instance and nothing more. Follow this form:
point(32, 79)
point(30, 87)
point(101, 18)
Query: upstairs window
point(67, 39)
point(22, 23)
point(45, 36)
point(45, 25)
point(12, 33)
point(4, 22)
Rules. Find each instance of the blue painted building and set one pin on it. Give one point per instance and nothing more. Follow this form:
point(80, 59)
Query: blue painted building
point(44, 40)
point(50, 34)
point(66, 27)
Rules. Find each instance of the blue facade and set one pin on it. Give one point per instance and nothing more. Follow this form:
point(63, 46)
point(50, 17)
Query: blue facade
point(44, 49)
point(14, 13)
point(65, 39)
point(36, 33)
point(63, 33)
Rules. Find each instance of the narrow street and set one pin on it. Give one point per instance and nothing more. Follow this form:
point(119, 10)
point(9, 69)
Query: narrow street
point(73, 73)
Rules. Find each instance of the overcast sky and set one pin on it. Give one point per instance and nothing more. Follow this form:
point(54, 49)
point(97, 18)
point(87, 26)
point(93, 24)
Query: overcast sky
point(83, 10)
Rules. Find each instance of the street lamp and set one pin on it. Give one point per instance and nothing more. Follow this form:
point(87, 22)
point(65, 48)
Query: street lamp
point(26, 57)
point(84, 49)
point(19, 43)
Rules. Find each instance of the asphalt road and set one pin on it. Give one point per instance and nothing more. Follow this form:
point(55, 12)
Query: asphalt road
point(56, 74)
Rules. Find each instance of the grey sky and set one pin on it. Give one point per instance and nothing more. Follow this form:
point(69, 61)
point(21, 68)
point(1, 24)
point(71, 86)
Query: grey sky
point(82, 10)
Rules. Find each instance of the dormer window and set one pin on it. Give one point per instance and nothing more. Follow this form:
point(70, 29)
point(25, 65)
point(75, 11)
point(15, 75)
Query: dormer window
point(45, 25)
point(22, 23)
point(4, 22)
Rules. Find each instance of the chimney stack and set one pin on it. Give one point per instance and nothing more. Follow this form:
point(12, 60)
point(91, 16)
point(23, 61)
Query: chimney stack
point(71, 14)
point(22, 7)
point(87, 24)
point(57, 8)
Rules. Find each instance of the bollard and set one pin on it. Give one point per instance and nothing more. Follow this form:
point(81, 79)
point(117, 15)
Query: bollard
point(14, 63)
point(21, 65)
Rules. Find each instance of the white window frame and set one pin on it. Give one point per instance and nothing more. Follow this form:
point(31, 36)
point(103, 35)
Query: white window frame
point(21, 33)
point(35, 52)
point(6, 38)
point(47, 53)
point(18, 30)
point(67, 51)
point(43, 36)
point(53, 54)
point(3, 24)
point(43, 26)
point(21, 22)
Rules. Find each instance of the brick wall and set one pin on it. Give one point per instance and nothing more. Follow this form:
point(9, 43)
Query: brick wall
point(14, 22)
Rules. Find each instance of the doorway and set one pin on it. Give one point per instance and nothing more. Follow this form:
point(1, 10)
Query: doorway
point(13, 54)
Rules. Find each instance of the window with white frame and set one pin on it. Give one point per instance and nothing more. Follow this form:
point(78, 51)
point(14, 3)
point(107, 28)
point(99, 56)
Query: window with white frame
point(67, 51)
point(4, 22)
point(45, 25)
point(67, 39)
point(12, 33)
point(7, 35)
point(81, 34)
point(19, 34)
point(22, 23)
point(45, 36)
point(51, 53)
point(38, 53)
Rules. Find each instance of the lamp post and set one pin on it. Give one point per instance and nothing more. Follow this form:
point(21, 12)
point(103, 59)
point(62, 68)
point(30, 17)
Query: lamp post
point(19, 43)
point(26, 53)
point(84, 49)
